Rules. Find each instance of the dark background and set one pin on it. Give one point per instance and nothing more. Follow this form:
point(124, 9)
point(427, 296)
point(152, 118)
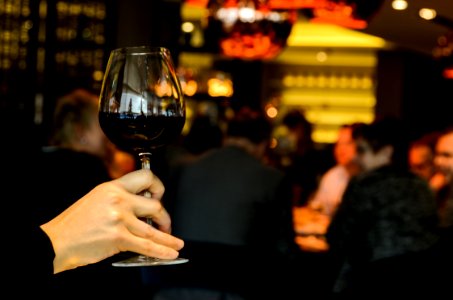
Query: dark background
point(410, 84)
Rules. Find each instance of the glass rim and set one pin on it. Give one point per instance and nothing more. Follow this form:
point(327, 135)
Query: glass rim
point(141, 49)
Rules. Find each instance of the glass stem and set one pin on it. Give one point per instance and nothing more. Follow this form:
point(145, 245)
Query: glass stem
point(145, 158)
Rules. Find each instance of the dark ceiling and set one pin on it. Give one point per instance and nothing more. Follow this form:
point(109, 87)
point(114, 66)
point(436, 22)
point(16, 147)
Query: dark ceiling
point(407, 29)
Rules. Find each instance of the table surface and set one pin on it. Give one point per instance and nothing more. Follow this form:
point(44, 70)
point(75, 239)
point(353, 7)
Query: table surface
point(310, 227)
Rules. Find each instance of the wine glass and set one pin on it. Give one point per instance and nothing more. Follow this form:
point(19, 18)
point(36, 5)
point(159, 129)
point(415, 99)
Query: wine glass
point(141, 108)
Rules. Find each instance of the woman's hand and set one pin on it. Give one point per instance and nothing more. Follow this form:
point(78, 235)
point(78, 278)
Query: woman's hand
point(106, 221)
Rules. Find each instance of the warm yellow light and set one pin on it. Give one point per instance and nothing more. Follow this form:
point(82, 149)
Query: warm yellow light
point(427, 13)
point(192, 12)
point(190, 88)
point(163, 89)
point(399, 4)
point(337, 117)
point(289, 80)
point(218, 87)
point(195, 60)
point(304, 34)
point(98, 75)
point(271, 111)
point(336, 57)
point(187, 27)
point(327, 123)
point(321, 56)
point(324, 135)
point(332, 81)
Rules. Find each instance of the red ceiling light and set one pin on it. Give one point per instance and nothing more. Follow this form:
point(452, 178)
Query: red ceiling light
point(354, 14)
point(249, 29)
point(339, 14)
point(448, 72)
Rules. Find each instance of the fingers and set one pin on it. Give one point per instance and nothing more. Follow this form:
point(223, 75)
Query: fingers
point(149, 248)
point(153, 209)
point(138, 181)
point(144, 231)
point(141, 180)
point(147, 240)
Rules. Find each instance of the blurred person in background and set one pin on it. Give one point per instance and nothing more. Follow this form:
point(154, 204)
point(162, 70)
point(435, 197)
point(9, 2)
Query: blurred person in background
point(442, 185)
point(298, 157)
point(443, 160)
point(74, 160)
point(76, 128)
point(204, 135)
point(333, 182)
point(312, 220)
point(78, 148)
point(444, 164)
point(421, 160)
point(386, 224)
point(234, 213)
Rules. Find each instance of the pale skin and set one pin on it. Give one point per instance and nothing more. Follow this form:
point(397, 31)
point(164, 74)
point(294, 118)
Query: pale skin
point(106, 221)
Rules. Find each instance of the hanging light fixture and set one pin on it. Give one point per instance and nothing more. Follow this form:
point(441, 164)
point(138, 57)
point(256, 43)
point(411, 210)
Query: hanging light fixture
point(258, 29)
point(249, 29)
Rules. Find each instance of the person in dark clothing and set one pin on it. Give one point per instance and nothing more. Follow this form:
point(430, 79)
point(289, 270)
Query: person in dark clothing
point(75, 158)
point(386, 225)
point(234, 213)
point(301, 161)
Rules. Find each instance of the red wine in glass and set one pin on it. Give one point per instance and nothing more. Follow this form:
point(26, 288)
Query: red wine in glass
point(135, 133)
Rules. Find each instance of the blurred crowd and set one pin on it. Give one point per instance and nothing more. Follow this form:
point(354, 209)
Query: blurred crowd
point(264, 211)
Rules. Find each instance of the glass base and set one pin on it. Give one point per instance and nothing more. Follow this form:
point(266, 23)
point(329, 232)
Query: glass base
point(144, 261)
